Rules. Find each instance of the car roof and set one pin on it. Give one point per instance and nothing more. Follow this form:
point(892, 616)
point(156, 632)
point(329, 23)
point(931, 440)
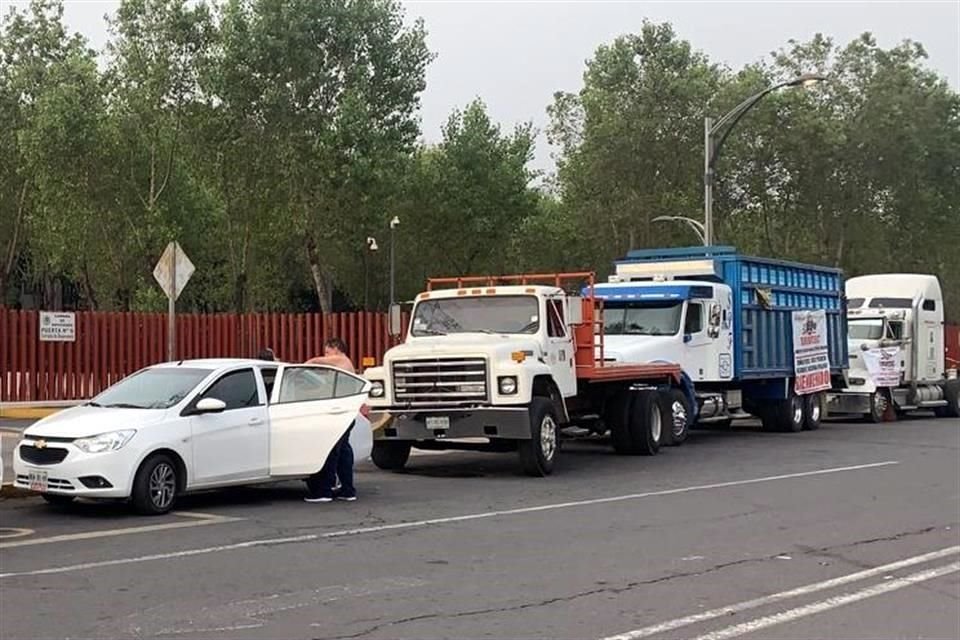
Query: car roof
point(214, 363)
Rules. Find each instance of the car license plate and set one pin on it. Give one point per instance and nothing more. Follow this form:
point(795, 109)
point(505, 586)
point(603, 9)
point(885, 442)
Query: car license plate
point(38, 480)
point(435, 423)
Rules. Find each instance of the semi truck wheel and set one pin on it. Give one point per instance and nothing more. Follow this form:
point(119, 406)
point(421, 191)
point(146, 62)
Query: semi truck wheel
point(617, 418)
point(812, 411)
point(951, 393)
point(390, 455)
point(878, 407)
point(784, 416)
point(646, 422)
point(538, 454)
point(678, 415)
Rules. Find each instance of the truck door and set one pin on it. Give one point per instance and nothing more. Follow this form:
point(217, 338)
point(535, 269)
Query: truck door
point(560, 355)
point(696, 340)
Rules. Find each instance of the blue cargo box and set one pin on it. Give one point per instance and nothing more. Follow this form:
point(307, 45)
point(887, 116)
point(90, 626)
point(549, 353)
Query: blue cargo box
point(765, 293)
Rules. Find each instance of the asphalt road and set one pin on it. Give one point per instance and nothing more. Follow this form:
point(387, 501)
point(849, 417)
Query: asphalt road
point(849, 532)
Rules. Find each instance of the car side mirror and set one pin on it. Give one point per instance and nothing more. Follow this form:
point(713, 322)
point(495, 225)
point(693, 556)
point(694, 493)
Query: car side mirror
point(211, 405)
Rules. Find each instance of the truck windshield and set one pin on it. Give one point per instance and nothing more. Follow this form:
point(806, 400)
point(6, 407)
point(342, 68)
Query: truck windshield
point(647, 318)
point(487, 314)
point(865, 329)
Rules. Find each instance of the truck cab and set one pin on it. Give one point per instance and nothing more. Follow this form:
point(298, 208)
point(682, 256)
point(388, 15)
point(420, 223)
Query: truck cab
point(897, 347)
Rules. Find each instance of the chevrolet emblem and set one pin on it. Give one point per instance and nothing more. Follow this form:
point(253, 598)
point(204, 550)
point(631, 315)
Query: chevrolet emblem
point(40, 444)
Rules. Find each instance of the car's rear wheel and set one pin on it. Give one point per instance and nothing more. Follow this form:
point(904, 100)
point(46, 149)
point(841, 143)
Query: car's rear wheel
point(155, 485)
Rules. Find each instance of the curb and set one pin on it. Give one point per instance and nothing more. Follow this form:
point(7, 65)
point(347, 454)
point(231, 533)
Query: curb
point(10, 491)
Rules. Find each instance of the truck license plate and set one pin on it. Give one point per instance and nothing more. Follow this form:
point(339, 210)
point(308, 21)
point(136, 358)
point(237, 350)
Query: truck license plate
point(435, 423)
point(38, 481)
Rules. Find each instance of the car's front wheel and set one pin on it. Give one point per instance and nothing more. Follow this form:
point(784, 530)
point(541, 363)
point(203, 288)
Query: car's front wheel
point(155, 486)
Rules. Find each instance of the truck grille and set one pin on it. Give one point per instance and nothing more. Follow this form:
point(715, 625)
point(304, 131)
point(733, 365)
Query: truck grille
point(440, 381)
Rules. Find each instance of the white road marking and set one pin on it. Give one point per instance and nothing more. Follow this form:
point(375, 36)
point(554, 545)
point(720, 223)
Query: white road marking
point(436, 521)
point(14, 532)
point(830, 603)
point(783, 595)
point(196, 520)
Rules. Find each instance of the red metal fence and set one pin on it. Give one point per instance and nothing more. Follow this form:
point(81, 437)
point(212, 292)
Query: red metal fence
point(110, 346)
point(953, 345)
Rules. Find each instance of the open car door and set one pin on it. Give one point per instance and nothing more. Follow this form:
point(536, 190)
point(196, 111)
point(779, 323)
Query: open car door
point(311, 407)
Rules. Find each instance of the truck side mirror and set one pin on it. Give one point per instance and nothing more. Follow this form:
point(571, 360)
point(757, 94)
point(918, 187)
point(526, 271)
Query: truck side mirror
point(574, 310)
point(396, 321)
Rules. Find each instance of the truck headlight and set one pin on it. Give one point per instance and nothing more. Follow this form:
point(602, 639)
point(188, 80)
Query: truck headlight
point(105, 441)
point(376, 389)
point(508, 385)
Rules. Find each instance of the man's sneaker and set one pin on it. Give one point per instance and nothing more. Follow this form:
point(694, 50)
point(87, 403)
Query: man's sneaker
point(318, 499)
point(347, 498)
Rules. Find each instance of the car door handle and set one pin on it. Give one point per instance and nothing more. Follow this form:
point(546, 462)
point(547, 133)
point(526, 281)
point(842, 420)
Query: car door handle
point(337, 411)
point(255, 422)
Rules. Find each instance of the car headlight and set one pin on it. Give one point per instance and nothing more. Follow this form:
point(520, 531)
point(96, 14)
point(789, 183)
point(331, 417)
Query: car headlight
point(376, 389)
point(105, 441)
point(508, 386)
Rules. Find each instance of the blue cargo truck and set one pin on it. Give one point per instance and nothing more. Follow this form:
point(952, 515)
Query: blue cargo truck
point(729, 320)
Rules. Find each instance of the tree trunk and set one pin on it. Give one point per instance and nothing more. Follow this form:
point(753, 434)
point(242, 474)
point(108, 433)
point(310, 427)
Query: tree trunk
point(321, 281)
point(10, 257)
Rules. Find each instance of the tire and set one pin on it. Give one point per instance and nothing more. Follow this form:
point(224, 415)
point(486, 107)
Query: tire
point(784, 416)
point(155, 486)
point(878, 407)
point(58, 500)
point(539, 453)
point(390, 455)
point(646, 422)
point(676, 411)
point(951, 393)
point(812, 411)
point(618, 421)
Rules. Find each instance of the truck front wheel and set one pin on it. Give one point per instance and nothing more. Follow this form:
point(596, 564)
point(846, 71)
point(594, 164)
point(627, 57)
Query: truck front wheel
point(537, 455)
point(678, 416)
point(390, 455)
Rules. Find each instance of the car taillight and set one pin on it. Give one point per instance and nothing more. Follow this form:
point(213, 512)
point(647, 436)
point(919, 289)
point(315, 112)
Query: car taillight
point(365, 411)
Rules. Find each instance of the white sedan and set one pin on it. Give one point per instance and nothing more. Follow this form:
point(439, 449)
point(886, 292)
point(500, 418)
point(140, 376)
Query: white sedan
point(191, 425)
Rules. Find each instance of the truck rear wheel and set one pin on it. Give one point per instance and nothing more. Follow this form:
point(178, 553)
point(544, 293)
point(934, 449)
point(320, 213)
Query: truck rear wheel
point(678, 415)
point(646, 422)
point(617, 418)
point(390, 455)
point(783, 416)
point(812, 411)
point(538, 454)
point(951, 393)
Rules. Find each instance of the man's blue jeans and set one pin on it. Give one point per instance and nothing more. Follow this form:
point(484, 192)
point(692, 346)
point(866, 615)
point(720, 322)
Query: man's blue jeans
point(339, 465)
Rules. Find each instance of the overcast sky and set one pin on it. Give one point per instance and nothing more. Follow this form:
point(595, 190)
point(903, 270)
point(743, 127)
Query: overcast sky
point(515, 55)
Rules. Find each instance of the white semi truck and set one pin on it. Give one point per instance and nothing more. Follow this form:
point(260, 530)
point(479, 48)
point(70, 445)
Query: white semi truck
point(897, 349)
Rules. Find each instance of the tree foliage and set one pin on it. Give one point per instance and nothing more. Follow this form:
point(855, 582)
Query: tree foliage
point(273, 138)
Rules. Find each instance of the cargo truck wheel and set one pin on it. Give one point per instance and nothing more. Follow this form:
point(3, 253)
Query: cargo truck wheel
point(678, 415)
point(812, 411)
point(646, 422)
point(784, 416)
point(951, 393)
point(537, 455)
point(617, 418)
point(390, 455)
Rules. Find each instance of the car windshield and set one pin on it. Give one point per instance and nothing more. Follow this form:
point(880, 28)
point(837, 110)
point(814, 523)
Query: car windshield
point(487, 314)
point(866, 329)
point(158, 388)
point(645, 319)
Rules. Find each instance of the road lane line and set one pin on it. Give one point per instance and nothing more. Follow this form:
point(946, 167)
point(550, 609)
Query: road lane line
point(783, 595)
point(830, 603)
point(196, 520)
point(447, 520)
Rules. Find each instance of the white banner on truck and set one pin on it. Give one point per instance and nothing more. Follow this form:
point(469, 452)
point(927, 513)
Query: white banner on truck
point(811, 356)
point(883, 365)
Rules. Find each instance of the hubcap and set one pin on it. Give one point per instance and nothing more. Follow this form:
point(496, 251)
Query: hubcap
point(548, 437)
point(679, 417)
point(655, 424)
point(797, 411)
point(880, 402)
point(163, 485)
point(815, 410)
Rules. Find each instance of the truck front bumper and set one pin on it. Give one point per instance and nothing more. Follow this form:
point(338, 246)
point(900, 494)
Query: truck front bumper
point(511, 423)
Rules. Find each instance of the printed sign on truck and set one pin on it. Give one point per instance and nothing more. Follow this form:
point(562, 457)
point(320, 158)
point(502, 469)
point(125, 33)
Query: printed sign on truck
point(811, 356)
point(883, 365)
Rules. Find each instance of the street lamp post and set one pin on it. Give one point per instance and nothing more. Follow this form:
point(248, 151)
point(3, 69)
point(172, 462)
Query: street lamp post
point(712, 147)
point(394, 223)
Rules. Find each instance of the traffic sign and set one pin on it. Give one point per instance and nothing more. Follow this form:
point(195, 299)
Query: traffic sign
point(173, 270)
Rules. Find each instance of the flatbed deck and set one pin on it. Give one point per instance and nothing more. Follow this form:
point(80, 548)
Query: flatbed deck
point(628, 372)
